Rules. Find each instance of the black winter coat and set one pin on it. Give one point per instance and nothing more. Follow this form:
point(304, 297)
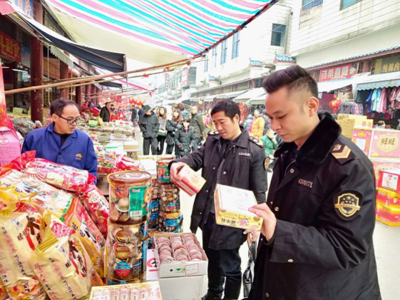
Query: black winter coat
point(134, 115)
point(149, 126)
point(105, 114)
point(197, 122)
point(171, 128)
point(243, 168)
point(324, 202)
point(183, 140)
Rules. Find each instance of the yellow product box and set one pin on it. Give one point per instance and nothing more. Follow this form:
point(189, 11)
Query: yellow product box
point(232, 208)
point(356, 117)
point(349, 124)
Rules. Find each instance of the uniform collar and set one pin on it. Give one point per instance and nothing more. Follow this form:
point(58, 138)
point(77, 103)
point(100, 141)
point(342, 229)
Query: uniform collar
point(241, 141)
point(50, 129)
point(318, 146)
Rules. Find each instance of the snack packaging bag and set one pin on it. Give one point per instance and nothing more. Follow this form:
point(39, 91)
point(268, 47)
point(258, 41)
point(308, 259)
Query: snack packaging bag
point(62, 264)
point(97, 207)
point(21, 232)
point(41, 195)
point(3, 292)
point(64, 177)
point(78, 219)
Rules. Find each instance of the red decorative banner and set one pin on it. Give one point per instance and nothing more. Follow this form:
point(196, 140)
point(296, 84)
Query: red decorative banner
point(9, 48)
point(339, 72)
point(3, 108)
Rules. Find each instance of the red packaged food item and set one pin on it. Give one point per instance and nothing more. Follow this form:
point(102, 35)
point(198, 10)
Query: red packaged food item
point(189, 181)
point(126, 163)
point(97, 207)
point(61, 176)
point(78, 219)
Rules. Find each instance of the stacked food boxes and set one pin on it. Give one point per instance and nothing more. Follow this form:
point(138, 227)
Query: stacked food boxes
point(388, 198)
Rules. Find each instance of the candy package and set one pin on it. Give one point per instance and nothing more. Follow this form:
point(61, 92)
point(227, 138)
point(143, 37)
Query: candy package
point(78, 219)
point(97, 207)
point(126, 163)
point(3, 292)
point(65, 177)
point(21, 232)
point(62, 264)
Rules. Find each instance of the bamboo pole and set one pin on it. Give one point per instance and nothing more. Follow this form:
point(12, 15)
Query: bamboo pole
point(41, 87)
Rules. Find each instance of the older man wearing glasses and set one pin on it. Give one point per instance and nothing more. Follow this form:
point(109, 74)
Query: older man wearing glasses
point(61, 142)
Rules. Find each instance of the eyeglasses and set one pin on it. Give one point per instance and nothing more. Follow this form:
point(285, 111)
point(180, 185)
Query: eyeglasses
point(71, 121)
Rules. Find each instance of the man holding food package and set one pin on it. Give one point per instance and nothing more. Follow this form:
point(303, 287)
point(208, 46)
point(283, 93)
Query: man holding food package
point(230, 157)
point(318, 222)
point(61, 142)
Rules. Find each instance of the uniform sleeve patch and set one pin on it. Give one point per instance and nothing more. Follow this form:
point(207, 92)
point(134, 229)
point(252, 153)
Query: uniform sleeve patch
point(347, 204)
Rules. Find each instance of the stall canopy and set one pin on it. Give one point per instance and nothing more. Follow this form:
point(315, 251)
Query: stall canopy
point(328, 86)
point(250, 94)
point(157, 31)
point(379, 81)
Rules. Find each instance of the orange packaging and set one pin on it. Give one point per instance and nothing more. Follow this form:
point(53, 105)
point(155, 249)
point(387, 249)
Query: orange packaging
point(189, 181)
point(389, 215)
point(21, 231)
point(78, 219)
point(388, 198)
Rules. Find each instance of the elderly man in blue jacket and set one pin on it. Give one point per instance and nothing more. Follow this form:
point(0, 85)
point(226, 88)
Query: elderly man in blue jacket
point(61, 142)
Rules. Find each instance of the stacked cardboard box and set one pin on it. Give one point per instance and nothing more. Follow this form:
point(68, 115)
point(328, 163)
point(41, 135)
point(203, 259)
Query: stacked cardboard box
point(348, 122)
point(388, 198)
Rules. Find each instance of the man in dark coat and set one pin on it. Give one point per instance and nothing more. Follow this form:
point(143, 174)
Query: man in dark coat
point(230, 158)
point(134, 115)
point(184, 138)
point(197, 123)
point(318, 223)
point(105, 112)
point(149, 126)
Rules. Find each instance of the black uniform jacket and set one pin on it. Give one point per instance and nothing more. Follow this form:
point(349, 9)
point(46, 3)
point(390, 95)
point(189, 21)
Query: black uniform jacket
point(243, 167)
point(149, 125)
point(324, 202)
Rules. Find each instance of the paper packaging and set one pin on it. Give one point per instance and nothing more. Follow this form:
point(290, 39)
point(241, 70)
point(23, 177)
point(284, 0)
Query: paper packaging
point(231, 208)
point(10, 147)
point(390, 179)
point(362, 138)
point(388, 198)
point(385, 144)
point(189, 181)
point(180, 269)
point(349, 124)
point(380, 164)
point(143, 291)
point(387, 215)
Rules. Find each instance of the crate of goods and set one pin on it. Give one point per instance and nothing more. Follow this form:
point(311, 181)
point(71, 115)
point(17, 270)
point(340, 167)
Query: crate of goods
point(381, 164)
point(385, 144)
point(389, 215)
point(232, 208)
point(179, 255)
point(348, 122)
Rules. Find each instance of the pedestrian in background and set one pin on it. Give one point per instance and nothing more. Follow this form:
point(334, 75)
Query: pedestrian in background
point(270, 145)
point(134, 115)
point(184, 112)
point(258, 125)
point(184, 138)
point(209, 124)
point(171, 127)
point(149, 127)
point(197, 123)
point(162, 131)
point(140, 112)
point(267, 124)
point(247, 123)
point(105, 112)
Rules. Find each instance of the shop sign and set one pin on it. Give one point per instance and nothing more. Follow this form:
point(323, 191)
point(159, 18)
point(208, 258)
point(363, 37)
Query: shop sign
point(387, 64)
point(10, 48)
point(339, 72)
point(185, 77)
point(26, 6)
point(51, 68)
point(3, 108)
point(25, 56)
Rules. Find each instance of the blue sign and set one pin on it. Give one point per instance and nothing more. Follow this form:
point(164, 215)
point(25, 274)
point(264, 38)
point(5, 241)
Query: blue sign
point(25, 56)
point(26, 6)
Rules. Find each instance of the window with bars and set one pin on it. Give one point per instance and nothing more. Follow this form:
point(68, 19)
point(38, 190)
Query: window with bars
point(224, 49)
point(278, 35)
point(235, 45)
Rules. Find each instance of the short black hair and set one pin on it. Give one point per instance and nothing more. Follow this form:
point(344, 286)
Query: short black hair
point(295, 78)
point(230, 108)
point(381, 122)
point(58, 105)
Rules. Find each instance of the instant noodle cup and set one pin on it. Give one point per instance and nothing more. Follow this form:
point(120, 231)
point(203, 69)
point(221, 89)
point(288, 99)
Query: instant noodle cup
point(78, 219)
point(126, 249)
point(21, 232)
point(97, 207)
point(61, 176)
point(62, 264)
point(130, 194)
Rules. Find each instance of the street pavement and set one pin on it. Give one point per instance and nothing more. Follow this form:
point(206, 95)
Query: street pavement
point(386, 241)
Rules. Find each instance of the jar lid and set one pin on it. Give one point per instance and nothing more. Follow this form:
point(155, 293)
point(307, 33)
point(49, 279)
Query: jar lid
point(131, 177)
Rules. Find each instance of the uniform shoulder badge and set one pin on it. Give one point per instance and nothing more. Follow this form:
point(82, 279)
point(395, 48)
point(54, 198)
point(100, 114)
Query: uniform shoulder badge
point(256, 141)
point(347, 204)
point(342, 153)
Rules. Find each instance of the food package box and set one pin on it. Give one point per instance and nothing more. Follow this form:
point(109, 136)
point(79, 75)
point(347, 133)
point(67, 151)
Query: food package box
point(349, 124)
point(10, 147)
point(362, 138)
point(232, 208)
point(385, 144)
point(390, 179)
point(388, 198)
point(387, 215)
point(176, 268)
point(346, 116)
point(145, 291)
point(189, 181)
point(190, 288)
point(380, 164)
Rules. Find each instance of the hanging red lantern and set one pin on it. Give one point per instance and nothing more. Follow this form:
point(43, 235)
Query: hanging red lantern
point(334, 104)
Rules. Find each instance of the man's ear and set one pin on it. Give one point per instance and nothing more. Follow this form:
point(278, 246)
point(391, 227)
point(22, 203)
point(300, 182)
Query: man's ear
point(312, 106)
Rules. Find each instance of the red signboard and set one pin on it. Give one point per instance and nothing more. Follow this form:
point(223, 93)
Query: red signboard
point(9, 48)
point(3, 108)
point(51, 68)
point(339, 72)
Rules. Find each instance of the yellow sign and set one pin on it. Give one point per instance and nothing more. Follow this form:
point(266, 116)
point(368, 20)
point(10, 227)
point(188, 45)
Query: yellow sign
point(387, 144)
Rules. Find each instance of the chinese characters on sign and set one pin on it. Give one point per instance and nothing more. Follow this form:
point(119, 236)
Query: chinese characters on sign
point(387, 64)
point(339, 72)
point(26, 6)
point(10, 48)
point(51, 68)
